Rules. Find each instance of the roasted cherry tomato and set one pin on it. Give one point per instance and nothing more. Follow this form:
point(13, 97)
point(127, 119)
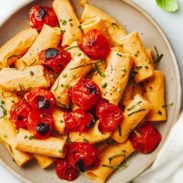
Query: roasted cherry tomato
point(145, 138)
point(110, 116)
point(19, 114)
point(66, 171)
point(82, 155)
point(85, 94)
point(40, 99)
point(54, 58)
point(95, 45)
point(40, 124)
point(78, 120)
point(40, 15)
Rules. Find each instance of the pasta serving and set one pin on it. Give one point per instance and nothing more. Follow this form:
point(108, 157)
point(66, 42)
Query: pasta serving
point(82, 93)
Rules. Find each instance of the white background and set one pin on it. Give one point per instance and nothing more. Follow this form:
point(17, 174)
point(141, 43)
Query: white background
point(171, 23)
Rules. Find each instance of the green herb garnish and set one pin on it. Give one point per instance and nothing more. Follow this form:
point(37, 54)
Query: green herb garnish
point(140, 110)
point(168, 106)
point(158, 56)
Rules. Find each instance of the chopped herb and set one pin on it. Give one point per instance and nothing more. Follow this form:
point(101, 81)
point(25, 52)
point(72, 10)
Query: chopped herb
point(118, 54)
point(133, 74)
point(64, 22)
point(11, 150)
point(68, 139)
point(168, 106)
point(79, 54)
point(70, 20)
point(56, 86)
point(85, 140)
point(32, 63)
point(2, 102)
point(31, 73)
point(80, 27)
point(84, 65)
point(74, 77)
point(104, 85)
point(61, 121)
point(31, 137)
point(159, 112)
point(71, 24)
point(58, 97)
point(140, 110)
point(62, 85)
point(119, 130)
point(133, 106)
point(63, 31)
point(3, 111)
point(18, 131)
point(69, 48)
point(65, 75)
point(146, 67)
point(158, 56)
point(123, 165)
point(25, 137)
point(63, 105)
point(138, 67)
point(99, 71)
point(60, 151)
point(5, 96)
point(108, 166)
point(21, 86)
point(115, 156)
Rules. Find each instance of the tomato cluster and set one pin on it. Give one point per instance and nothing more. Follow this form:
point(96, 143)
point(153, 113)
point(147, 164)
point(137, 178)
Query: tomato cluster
point(34, 113)
point(80, 156)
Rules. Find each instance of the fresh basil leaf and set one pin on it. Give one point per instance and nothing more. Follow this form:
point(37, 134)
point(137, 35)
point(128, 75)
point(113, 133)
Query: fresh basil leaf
point(168, 5)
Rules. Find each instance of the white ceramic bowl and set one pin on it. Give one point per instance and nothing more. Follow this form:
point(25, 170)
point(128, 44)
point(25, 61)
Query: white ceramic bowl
point(133, 18)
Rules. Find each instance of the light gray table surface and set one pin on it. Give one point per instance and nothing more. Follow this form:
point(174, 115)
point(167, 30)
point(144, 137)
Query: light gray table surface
point(171, 23)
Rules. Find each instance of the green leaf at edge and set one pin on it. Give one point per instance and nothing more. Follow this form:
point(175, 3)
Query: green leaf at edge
point(168, 5)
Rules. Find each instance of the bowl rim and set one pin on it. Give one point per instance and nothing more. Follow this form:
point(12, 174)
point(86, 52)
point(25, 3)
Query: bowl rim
point(177, 72)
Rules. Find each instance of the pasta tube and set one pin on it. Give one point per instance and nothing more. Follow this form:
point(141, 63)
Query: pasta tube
point(93, 135)
point(116, 76)
point(58, 116)
point(134, 113)
point(68, 21)
point(8, 135)
point(17, 46)
point(155, 93)
point(18, 80)
point(132, 45)
point(75, 70)
point(110, 160)
point(47, 38)
point(51, 146)
point(115, 30)
point(44, 161)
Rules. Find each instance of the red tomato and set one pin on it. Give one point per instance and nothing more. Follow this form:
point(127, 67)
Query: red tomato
point(40, 99)
point(110, 116)
point(19, 114)
point(145, 138)
point(40, 124)
point(82, 155)
point(66, 171)
point(85, 94)
point(40, 15)
point(95, 45)
point(54, 58)
point(78, 120)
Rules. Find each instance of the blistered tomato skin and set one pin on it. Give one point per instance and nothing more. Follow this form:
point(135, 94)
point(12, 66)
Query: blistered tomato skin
point(55, 59)
point(78, 120)
point(40, 15)
point(19, 114)
point(82, 155)
point(95, 45)
point(40, 99)
point(110, 116)
point(85, 93)
point(65, 171)
point(145, 139)
point(40, 125)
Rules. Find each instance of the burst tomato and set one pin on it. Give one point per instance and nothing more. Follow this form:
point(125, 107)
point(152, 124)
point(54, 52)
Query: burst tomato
point(40, 15)
point(110, 116)
point(40, 99)
point(145, 138)
point(40, 125)
point(82, 155)
point(85, 93)
point(19, 114)
point(54, 58)
point(66, 171)
point(95, 45)
point(78, 120)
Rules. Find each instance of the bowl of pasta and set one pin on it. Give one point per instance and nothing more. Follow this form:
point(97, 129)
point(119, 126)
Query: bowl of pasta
point(88, 91)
